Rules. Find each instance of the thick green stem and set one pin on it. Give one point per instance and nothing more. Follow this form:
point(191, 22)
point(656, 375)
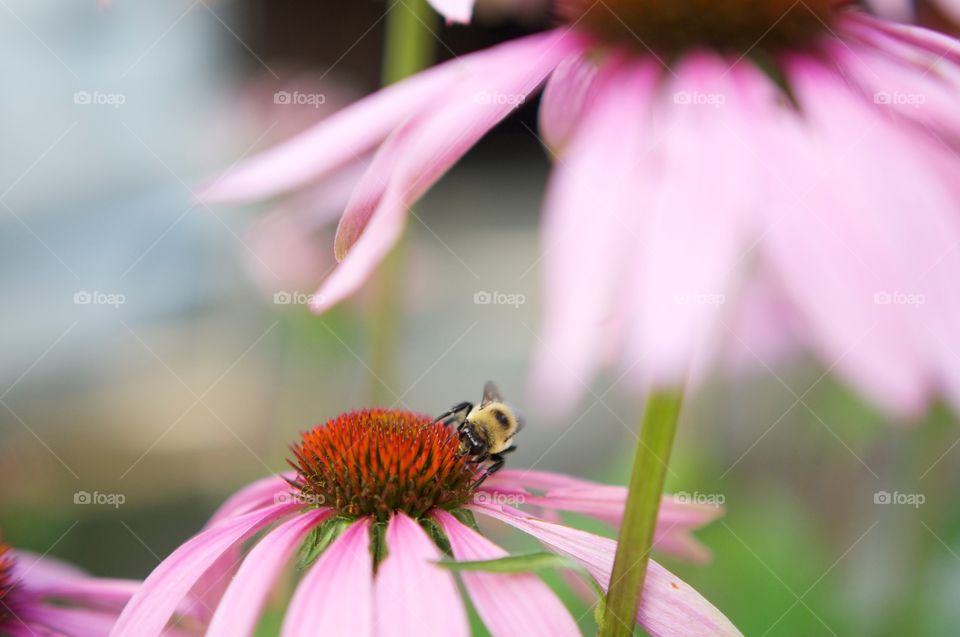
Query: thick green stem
point(409, 42)
point(409, 47)
point(640, 516)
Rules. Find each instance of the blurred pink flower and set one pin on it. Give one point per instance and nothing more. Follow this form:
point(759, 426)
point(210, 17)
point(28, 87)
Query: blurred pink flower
point(811, 145)
point(390, 489)
point(906, 10)
point(43, 597)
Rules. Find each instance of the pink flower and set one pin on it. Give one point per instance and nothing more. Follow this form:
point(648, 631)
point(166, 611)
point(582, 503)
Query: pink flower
point(389, 495)
point(905, 10)
point(43, 597)
point(809, 145)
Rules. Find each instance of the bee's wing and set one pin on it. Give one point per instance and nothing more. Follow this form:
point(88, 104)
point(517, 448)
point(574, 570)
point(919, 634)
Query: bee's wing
point(521, 420)
point(490, 394)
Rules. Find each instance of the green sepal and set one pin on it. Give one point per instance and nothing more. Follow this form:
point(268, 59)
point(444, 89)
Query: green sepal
point(319, 538)
point(466, 517)
point(513, 563)
point(435, 531)
point(378, 543)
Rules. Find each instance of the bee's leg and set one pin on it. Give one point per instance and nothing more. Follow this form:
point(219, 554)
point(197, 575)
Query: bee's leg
point(497, 461)
point(459, 411)
point(509, 449)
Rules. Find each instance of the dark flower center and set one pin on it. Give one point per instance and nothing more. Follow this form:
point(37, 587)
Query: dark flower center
point(376, 461)
point(736, 26)
point(7, 582)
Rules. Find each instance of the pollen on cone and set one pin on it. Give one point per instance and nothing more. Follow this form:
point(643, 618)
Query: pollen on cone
point(732, 25)
point(376, 461)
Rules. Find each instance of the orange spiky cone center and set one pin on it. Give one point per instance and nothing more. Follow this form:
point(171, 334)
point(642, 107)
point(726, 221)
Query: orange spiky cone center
point(373, 462)
point(736, 26)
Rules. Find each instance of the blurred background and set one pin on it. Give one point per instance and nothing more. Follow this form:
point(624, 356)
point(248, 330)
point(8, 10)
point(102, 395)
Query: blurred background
point(160, 351)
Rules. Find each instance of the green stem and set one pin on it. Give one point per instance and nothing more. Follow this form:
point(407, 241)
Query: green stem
point(640, 516)
point(409, 47)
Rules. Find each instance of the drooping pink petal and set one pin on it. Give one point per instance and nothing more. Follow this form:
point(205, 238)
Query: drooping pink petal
point(414, 596)
point(938, 43)
point(676, 519)
point(915, 93)
point(256, 495)
point(839, 271)
point(154, 603)
point(686, 269)
point(514, 604)
point(668, 608)
point(206, 593)
point(535, 479)
point(492, 84)
point(902, 10)
point(603, 501)
point(43, 571)
point(585, 256)
point(238, 611)
point(454, 10)
point(420, 153)
point(335, 597)
point(570, 89)
point(71, 622)
point(88, 591)
point(340, 139)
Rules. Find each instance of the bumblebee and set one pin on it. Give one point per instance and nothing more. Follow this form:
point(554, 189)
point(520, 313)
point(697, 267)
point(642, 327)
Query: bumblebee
point(486, 432)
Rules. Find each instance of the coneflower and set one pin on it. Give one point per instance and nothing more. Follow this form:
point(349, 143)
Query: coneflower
point(43, 597)
point(377, 497)
point(701, 146)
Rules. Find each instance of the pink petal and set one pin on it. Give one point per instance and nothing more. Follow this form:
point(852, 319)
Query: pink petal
point(257, 494)
point(153, 604)
point(239, 610)
point(669, 607)
point(566, 96)
point(335, 597)
point(88, 591)
point(338, 140)
point(586, 254)
point(40, 571)
point(416, 156)
point(676, 518)
point(535, 479)
point(694, 237)
point(835, 267)
point(483, 95)
point(213, 583)
point(902, 10)
point(454, 10)
point(413, 595)
point(516, 604)
point(72, 622)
